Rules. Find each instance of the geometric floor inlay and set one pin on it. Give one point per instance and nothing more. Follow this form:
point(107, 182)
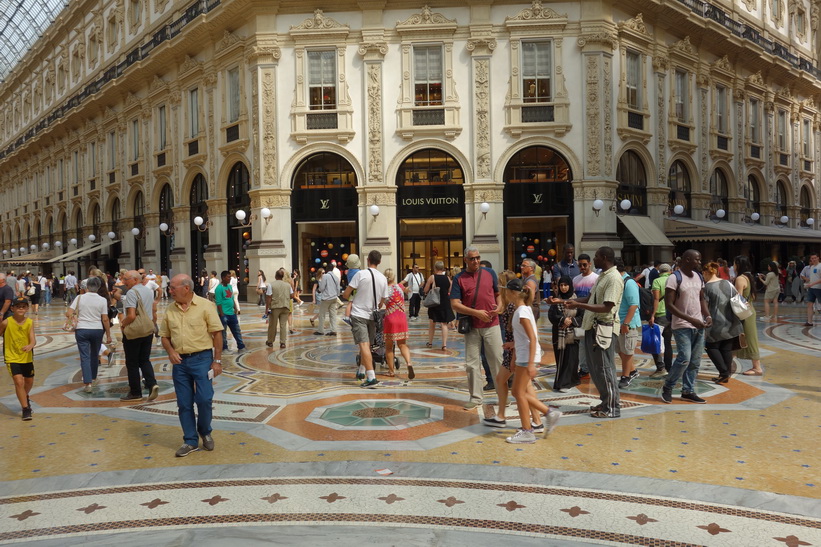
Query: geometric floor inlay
point(379, 414)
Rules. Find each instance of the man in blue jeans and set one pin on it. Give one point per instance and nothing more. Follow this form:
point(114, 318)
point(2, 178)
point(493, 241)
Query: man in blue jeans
point(684, 299)
point(224, 298)
point(191, 333)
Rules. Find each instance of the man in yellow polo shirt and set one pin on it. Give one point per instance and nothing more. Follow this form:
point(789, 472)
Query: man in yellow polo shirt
point(191, 333)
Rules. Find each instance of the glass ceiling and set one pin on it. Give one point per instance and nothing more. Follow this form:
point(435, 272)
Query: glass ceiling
point(22, 22)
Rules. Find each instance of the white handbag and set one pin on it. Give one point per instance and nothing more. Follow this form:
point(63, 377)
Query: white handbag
point(741, 308)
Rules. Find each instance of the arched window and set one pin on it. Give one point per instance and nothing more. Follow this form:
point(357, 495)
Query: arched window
point(780, 199)
point(139, 223)
point(429, 167)
point(679, 179)
point(806, 206)
point(238, 234)
point(167, 217)
point(632, 179)
point(199, 235)
point(324, 170)
point(719, 192)
point(94, 220)
point(752, 197)
point(537, 164)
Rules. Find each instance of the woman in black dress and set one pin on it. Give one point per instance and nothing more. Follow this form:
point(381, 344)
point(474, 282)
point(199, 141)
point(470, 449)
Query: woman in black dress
point(565, 346)
point(443, 313)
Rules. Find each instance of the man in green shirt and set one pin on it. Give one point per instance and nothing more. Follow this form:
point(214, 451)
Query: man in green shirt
point(659, 318)
point(224, 298)
point(601, 325)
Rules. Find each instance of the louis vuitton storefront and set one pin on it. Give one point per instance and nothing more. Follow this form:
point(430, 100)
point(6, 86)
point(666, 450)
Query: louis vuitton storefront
point(324, 212)
point(538, 206)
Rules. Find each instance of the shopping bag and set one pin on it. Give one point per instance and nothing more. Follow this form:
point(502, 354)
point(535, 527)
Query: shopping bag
point(651, 339)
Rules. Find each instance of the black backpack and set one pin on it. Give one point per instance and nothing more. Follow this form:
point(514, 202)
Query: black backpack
point(678, 277)
point(646, 300)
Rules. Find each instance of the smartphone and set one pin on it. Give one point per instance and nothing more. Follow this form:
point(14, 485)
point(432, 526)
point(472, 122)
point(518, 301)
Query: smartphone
point(211, 374)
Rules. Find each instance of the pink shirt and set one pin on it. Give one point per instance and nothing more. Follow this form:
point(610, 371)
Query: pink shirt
point(688, 299)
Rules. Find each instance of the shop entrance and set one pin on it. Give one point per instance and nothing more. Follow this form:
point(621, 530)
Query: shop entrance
point(430, 211)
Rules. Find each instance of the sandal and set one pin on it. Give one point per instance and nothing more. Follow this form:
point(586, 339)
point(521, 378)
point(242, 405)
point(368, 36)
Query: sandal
point(444, 348)
point(428, 345)
point(411, 373)
point(753, 372)
point(597, 408)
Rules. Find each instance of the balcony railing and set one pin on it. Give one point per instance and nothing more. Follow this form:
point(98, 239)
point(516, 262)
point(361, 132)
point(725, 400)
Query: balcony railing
point(635, 121)
point(536, 114)
point(429, 117)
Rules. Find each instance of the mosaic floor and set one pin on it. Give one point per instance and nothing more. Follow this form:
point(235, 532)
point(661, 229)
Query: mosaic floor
point(303, 454)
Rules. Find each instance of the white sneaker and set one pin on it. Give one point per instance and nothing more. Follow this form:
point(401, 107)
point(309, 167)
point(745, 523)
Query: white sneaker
point(522, 437)
point(551, 420)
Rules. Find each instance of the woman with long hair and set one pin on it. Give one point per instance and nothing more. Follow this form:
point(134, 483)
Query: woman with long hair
point(771, 292)
point(396, 325)
point(442, 314)
point(744, 284)
point(261, 285)
point(723, 333)
point(565, 344)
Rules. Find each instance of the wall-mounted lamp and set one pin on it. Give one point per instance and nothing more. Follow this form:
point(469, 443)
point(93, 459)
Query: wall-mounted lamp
point(266, 214)
point(92, 238)
point(677, 211)
point(33, 248)
point(619, 207)
point(809, 223)
point(112, 236)
point(484, 207)
point(167, 230)
point(46, 246)
point(14, 250)
point(201, 224)
point(5, 252)
point(751, 219)
point(782, 222)
point(58, 244)
point(22, 250)
point(717, 215)
point(138, 234)
point(73, 241)
point(374, 210)
point(243, 218)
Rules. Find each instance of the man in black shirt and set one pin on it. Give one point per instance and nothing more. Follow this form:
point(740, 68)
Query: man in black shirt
point(6, 296)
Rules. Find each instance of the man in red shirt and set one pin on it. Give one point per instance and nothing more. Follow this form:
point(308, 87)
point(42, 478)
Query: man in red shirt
point(482, 305)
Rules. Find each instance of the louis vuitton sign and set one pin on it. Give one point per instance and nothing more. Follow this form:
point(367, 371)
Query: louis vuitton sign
point(430, 201)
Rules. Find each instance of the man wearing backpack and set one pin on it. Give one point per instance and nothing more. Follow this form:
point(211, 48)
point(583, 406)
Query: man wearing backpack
point(630, 325)
point(685, 302)
point(664, 361)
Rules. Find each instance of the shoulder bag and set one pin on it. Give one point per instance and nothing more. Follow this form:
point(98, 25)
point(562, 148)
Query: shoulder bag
point(741, 308)
point(142, 326)
point(433, 298)
point(339, 302)
point(377, 315)
point(465, 324)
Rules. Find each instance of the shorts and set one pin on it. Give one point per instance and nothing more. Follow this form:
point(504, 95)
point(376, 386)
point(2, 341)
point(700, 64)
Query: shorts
point(364, 330)
point(626, 343)
point(26, 370)
point(813, 295)
point(770, 295)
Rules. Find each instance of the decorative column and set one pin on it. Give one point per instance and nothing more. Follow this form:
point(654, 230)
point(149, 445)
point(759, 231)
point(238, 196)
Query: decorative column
point(596, 230)
point(271, 245)
point(180, 259)
point(482, 228)
point(376, 232)
point(215, 253)
point(152, 236)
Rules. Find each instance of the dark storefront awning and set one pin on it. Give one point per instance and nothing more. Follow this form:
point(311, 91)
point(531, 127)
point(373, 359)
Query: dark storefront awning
point(36, 258)
point(704, 230)
point(645, 231)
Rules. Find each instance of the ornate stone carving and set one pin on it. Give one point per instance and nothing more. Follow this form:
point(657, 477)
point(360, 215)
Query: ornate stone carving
point(749, 4)
point(273, 200)
point(374, 46)
point(228, 39)
point(319, 22)
point(722, 64)
point(481, 84)
point(704, 146)
point(755, 79)
point(426, 17)
point(536, 12)
point(262, 53)
point(485, 43)
point(604, 38)
point(702, 80)
point(374, 90)
point(189, 64)
point(661, 129)
point(684, 46)
point(158, 84)
point(607, 100)
point(131, 100)
point(593, 116)
point(377, 197)
point(268, 126)
point(636, 24)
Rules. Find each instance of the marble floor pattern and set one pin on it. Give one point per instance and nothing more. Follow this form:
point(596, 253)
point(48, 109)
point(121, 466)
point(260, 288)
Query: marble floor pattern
point(305, 455)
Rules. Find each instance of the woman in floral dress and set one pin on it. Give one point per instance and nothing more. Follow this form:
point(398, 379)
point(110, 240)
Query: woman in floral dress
point(396, 325)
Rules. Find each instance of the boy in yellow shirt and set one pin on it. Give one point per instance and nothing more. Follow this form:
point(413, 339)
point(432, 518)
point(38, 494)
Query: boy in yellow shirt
point(18, 344)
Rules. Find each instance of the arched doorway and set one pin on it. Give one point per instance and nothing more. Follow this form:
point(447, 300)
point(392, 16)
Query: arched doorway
point(139, 223)
point(632, 178)
point(430, 211)
point(324, 209)
point(780, 201)
point(94, 222)
point(719, 201)
point(239, 235)
point(538, 206)
point(752, 197)
point(199, 236)
point(805, 202)
point(166, 239)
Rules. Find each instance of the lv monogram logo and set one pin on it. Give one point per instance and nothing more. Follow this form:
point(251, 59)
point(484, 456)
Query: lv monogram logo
point(324, 203)
point(537, 198)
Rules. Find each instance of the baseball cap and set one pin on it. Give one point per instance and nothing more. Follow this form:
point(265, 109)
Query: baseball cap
point(665, 268)
point(515, 285)
point(20, 301)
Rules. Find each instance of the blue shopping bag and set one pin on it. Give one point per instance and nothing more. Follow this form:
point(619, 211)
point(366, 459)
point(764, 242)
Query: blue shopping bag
point(651, 339)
